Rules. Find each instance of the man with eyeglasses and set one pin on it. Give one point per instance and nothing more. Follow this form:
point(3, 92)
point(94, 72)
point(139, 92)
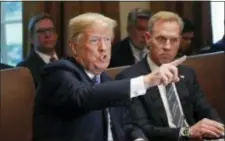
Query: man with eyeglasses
point(75, 99)
point(43, 39)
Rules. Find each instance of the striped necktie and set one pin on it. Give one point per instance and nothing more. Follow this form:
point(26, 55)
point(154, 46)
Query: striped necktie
point(178, 117)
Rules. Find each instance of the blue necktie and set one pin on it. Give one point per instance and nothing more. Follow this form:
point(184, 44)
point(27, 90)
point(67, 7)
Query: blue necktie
point(96, 80)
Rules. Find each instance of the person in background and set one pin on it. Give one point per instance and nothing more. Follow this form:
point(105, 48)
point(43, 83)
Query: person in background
point(4, 66)
point(176, 111)
point(186, 45)
point(219, 45)
point(43, 38)
point(75, 98)
point(133, 48)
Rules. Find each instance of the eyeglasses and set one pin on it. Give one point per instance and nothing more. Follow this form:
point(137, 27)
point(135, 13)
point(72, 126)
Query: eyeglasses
point(45, 30)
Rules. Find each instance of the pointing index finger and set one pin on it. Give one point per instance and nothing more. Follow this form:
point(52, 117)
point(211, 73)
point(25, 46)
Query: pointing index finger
point(178, 61)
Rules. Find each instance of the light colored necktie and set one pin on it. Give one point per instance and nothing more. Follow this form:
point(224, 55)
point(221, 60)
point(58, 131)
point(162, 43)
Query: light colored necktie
point(178, 117)
point(52, 59)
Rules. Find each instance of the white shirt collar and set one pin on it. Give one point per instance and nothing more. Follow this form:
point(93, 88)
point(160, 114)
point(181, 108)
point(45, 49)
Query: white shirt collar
point(45, 57)
point(136, 51)
point(152, 65)
point(89, 74)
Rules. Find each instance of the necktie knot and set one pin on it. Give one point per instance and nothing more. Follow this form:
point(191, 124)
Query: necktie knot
point(52, 59)
point(96, 79)
point(142, 54)
point(177, 115)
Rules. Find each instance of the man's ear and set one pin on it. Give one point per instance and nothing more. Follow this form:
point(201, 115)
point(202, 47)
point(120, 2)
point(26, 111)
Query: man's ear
point(73, 48)
point(56, 35)
point(147, 37)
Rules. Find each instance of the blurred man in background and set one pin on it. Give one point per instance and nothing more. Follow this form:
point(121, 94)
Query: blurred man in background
point(43, 37)
point(133, 48)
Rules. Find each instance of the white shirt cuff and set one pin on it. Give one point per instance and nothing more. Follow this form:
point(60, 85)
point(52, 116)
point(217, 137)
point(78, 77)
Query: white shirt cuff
point(137, 87)
point(139, 139)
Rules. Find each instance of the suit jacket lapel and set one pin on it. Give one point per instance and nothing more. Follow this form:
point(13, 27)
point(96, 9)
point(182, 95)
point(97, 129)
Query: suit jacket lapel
point(127, 50)
point(153, 96)
point(183, 94)
point(83, 76)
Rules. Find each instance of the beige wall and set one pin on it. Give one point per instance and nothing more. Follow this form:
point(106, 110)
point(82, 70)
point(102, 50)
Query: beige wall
point(125, 7)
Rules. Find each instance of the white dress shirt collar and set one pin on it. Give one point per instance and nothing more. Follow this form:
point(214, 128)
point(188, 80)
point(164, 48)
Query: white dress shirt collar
point(152, 65)
point(45, 57)
point(136, 52)
point(89, 74)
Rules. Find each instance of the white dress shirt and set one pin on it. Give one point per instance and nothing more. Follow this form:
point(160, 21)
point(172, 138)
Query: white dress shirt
point(45, 57)
point(162, 91)
point(136, 52)
point(137, 88)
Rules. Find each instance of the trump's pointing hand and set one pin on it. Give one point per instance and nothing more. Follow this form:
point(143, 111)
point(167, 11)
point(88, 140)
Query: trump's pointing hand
point(165, 74)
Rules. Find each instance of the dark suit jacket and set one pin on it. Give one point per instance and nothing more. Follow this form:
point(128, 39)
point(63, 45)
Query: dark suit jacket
point(4, 66)
point(34, 63)
point(69, 108)
point(219, 46)
point(122, 54)
point(147, 112)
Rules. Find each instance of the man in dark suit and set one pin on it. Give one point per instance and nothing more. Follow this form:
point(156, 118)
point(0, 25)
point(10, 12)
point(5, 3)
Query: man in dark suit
point(74, 93)
point(175, 111)
point(4, 66)
point(43, 38)
point(219, 45)
point(133, 48)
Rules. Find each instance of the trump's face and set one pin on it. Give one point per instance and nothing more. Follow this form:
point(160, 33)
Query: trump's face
point(93, 50)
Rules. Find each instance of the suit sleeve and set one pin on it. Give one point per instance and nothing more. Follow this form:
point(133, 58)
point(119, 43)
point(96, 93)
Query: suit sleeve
point(137, 124)
point(132, 131)
point(202, 109)
point(63, 91)
point(139, 118)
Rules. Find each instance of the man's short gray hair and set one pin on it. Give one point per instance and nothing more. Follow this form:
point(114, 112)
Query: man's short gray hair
point(135, 14)
point(165, 16)
point(78, 24)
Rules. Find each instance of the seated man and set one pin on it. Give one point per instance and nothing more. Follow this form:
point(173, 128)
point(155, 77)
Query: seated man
point(133, 48)
point(43, 38)
point(74, 93)
point(175, 111)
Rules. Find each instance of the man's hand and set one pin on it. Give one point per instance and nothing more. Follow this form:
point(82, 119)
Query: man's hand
point(207, 128)
point(165, 74)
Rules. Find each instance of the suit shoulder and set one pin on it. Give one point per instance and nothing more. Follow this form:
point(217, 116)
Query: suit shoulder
point(186, 68)
point(63, 65)
point(28, 61)
point(23, 63)
point(120, 45)
point(129, 72)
